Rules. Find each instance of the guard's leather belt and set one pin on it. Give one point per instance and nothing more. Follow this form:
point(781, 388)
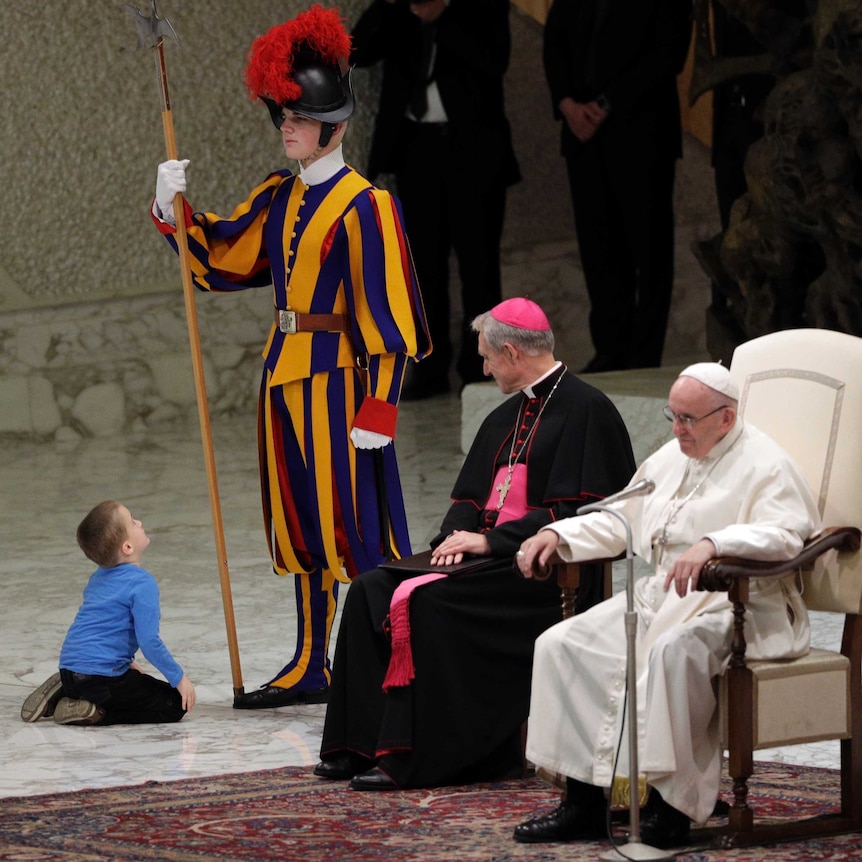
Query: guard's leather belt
point(296, 321)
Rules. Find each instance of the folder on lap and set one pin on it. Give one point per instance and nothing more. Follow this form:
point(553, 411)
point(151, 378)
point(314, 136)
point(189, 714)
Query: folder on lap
point(421, 564)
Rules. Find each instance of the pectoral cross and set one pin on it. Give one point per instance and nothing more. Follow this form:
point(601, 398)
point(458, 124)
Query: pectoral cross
point(503, 489)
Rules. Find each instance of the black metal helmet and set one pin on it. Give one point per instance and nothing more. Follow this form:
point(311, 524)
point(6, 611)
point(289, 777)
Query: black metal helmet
point(301, 66)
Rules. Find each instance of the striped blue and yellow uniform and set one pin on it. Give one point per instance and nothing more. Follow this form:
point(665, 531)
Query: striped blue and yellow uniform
point(335, 247)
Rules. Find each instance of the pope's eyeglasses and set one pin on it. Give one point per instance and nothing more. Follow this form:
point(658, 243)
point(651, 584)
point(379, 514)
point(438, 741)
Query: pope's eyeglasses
point(684, 419)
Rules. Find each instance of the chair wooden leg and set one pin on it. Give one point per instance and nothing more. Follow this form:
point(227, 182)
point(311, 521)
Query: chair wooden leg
point(567, 598)
point(740, 725)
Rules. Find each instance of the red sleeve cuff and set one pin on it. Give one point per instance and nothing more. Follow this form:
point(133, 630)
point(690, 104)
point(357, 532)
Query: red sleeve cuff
point(377, 415)
point(166, 227)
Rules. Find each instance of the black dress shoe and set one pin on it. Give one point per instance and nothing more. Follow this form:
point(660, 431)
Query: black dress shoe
point(343, 767)
point(721, 809)
point(373, 779)
point(567, 822)
point(663, 826)
point(269, 696)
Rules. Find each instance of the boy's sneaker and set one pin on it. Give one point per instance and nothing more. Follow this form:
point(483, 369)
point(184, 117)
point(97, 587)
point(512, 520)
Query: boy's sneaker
point(72, 711)
point(42, 702)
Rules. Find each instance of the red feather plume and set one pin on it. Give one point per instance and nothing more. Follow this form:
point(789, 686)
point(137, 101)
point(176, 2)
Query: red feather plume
point(269, 71)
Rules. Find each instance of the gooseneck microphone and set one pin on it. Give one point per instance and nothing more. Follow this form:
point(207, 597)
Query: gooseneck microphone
point(645, 486)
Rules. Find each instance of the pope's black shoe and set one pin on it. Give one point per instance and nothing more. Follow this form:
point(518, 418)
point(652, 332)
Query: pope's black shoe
point(342, 767)
point(269, 696)
point(567, 822)
point(373, 779)
point(663, 826)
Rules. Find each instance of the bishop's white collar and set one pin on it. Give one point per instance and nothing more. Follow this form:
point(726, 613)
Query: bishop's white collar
point(528, 390)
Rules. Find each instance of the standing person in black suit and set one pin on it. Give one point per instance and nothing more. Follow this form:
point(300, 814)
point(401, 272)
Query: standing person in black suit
point(611, 67)
point(441, 129)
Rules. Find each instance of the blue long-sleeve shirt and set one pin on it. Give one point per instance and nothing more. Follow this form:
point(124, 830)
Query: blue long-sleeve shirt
point(119, 615)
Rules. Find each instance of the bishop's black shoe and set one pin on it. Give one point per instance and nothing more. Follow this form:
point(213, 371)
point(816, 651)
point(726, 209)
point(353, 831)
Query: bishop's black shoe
point(373, 779)
point(343, 767)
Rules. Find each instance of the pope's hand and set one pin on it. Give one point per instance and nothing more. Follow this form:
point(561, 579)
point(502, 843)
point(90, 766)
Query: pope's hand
point(535, 552)
point(684, 573)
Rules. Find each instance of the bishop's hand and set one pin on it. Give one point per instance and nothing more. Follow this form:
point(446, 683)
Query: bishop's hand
point(452, 549)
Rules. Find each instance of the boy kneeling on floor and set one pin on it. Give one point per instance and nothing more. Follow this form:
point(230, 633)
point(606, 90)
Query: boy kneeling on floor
point(98, 681)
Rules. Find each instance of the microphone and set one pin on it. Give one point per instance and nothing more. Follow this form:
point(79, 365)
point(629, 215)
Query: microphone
point(642, 488)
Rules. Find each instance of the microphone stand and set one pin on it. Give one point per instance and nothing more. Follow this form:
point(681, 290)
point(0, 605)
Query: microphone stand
point(635, 848)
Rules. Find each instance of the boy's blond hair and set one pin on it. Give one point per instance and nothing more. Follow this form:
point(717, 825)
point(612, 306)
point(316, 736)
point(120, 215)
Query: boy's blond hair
point(101, 534)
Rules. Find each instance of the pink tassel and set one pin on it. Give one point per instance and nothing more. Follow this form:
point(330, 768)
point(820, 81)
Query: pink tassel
point(401, 671)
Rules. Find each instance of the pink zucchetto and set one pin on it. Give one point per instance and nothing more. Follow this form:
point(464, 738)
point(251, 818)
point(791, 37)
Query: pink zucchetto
point(713, 375)
point(522, 313)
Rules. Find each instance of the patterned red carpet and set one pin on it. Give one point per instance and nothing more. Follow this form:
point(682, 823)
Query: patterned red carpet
point(288, 814)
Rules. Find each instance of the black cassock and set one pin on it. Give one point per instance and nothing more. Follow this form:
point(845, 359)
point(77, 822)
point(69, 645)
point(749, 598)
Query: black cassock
point(472, 635)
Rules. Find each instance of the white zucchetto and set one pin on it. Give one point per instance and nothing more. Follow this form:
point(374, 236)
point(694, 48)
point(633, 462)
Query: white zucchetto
point(715, 376)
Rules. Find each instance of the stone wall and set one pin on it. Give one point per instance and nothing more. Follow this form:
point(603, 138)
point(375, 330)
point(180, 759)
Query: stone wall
point(93, 335)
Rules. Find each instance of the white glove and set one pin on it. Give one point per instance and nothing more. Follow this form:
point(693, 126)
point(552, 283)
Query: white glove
point(363, 439)
point(170, 181)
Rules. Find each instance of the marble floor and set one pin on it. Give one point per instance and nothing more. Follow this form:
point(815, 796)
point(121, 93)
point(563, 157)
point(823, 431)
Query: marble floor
point(45, 490)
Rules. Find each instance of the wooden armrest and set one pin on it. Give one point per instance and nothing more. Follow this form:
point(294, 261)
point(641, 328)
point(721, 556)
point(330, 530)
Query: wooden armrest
point(719, 573)
point(568, 573)
point(565, 571)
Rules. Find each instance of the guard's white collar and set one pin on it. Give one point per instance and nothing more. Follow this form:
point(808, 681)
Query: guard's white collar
point(322, 169)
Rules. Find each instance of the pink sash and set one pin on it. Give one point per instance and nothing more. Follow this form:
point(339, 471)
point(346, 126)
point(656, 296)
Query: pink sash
point(401, 671)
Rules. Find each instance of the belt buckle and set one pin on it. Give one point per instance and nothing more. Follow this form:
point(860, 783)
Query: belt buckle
point(287, 321)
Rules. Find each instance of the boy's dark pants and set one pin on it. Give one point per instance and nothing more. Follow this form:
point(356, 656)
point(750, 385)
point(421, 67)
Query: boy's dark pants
point(132, 698)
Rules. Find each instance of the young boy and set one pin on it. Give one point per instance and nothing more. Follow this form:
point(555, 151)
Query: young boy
point(99, 682)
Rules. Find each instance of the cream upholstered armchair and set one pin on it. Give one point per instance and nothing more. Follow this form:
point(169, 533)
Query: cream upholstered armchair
point(803, 388)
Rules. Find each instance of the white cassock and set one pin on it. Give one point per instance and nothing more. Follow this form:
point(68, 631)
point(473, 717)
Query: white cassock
point(751, 500)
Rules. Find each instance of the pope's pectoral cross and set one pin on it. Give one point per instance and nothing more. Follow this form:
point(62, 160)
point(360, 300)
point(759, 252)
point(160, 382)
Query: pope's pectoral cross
point(503, 489)
point(661, 543)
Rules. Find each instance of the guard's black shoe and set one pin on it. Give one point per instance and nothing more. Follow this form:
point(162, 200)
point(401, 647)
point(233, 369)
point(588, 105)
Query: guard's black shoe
point(270, 696)
point(567, 822)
